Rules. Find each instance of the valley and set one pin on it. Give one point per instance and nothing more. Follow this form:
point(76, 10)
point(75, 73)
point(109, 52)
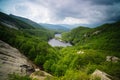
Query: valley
point(79, 54)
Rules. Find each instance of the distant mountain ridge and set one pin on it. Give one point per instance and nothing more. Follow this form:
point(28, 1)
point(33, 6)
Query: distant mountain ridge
point(41, 25)
point(54, 27)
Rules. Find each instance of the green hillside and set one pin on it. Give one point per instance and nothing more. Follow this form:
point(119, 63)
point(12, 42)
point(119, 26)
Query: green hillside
point(89, 52)
point(105, 37)
point(75, 35)
point(91, 46)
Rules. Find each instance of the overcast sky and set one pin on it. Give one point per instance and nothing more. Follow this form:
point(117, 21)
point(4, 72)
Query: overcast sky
point(64, 11)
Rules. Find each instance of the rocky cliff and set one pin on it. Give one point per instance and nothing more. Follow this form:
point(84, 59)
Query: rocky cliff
point(12, 61)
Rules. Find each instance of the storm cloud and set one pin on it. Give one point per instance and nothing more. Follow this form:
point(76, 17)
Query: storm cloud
point(64, 11)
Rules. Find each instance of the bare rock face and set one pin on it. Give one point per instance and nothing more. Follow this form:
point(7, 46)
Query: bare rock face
point(112, 59)
point(102, 75)
point(96, 32)
point(12, 61)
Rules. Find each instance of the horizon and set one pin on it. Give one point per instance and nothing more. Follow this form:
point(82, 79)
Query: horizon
point(70, 12)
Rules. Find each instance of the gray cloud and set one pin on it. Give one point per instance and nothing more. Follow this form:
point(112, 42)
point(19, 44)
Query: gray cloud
point(105, 2)
point(66, 11)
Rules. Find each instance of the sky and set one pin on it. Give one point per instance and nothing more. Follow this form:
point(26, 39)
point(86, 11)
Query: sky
point(64, 11)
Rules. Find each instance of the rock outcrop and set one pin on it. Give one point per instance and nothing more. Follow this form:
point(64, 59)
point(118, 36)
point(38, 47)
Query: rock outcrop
point(12, 61)
point(100, 74)
point(41, 75)
point(112, 59)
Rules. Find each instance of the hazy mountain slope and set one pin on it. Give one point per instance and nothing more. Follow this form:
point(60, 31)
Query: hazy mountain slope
point(9, 21)
point(54, 27)
point(28, 21)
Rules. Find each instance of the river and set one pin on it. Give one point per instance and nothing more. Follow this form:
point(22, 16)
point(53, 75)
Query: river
point(55, 42)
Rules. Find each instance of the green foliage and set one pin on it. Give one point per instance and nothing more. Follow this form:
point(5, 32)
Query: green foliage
point(48, 64)
point(75, 35)
point(40, 33)
point(75, 75)
point(96, 78)
point(18, 77)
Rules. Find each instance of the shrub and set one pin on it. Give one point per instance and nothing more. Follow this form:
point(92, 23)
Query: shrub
point(18, 77)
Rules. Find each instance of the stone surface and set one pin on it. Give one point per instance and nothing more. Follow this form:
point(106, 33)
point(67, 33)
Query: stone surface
point(41, 75)
point(112, 59)
point(102, 75)
point(12, 61)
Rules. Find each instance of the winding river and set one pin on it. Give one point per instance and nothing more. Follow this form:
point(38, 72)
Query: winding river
point(55, 42)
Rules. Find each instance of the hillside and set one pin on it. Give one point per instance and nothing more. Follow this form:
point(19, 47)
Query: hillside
point(11, 21)
point(104, 37)
point(14, 23)
point(74, 35)
point(28, 21)
point(94, 48)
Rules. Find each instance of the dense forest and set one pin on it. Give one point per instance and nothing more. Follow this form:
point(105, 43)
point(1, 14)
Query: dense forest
point(77, 62)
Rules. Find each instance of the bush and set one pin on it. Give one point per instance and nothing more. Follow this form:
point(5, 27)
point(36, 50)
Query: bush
point(18, 77)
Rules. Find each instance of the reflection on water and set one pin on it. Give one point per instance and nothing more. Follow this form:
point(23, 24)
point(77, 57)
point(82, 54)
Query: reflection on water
point(54, 42)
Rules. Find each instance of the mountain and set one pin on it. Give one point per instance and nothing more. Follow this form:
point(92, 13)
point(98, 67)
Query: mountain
point(28, 21)
point(54, 27)
point(13, 22)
